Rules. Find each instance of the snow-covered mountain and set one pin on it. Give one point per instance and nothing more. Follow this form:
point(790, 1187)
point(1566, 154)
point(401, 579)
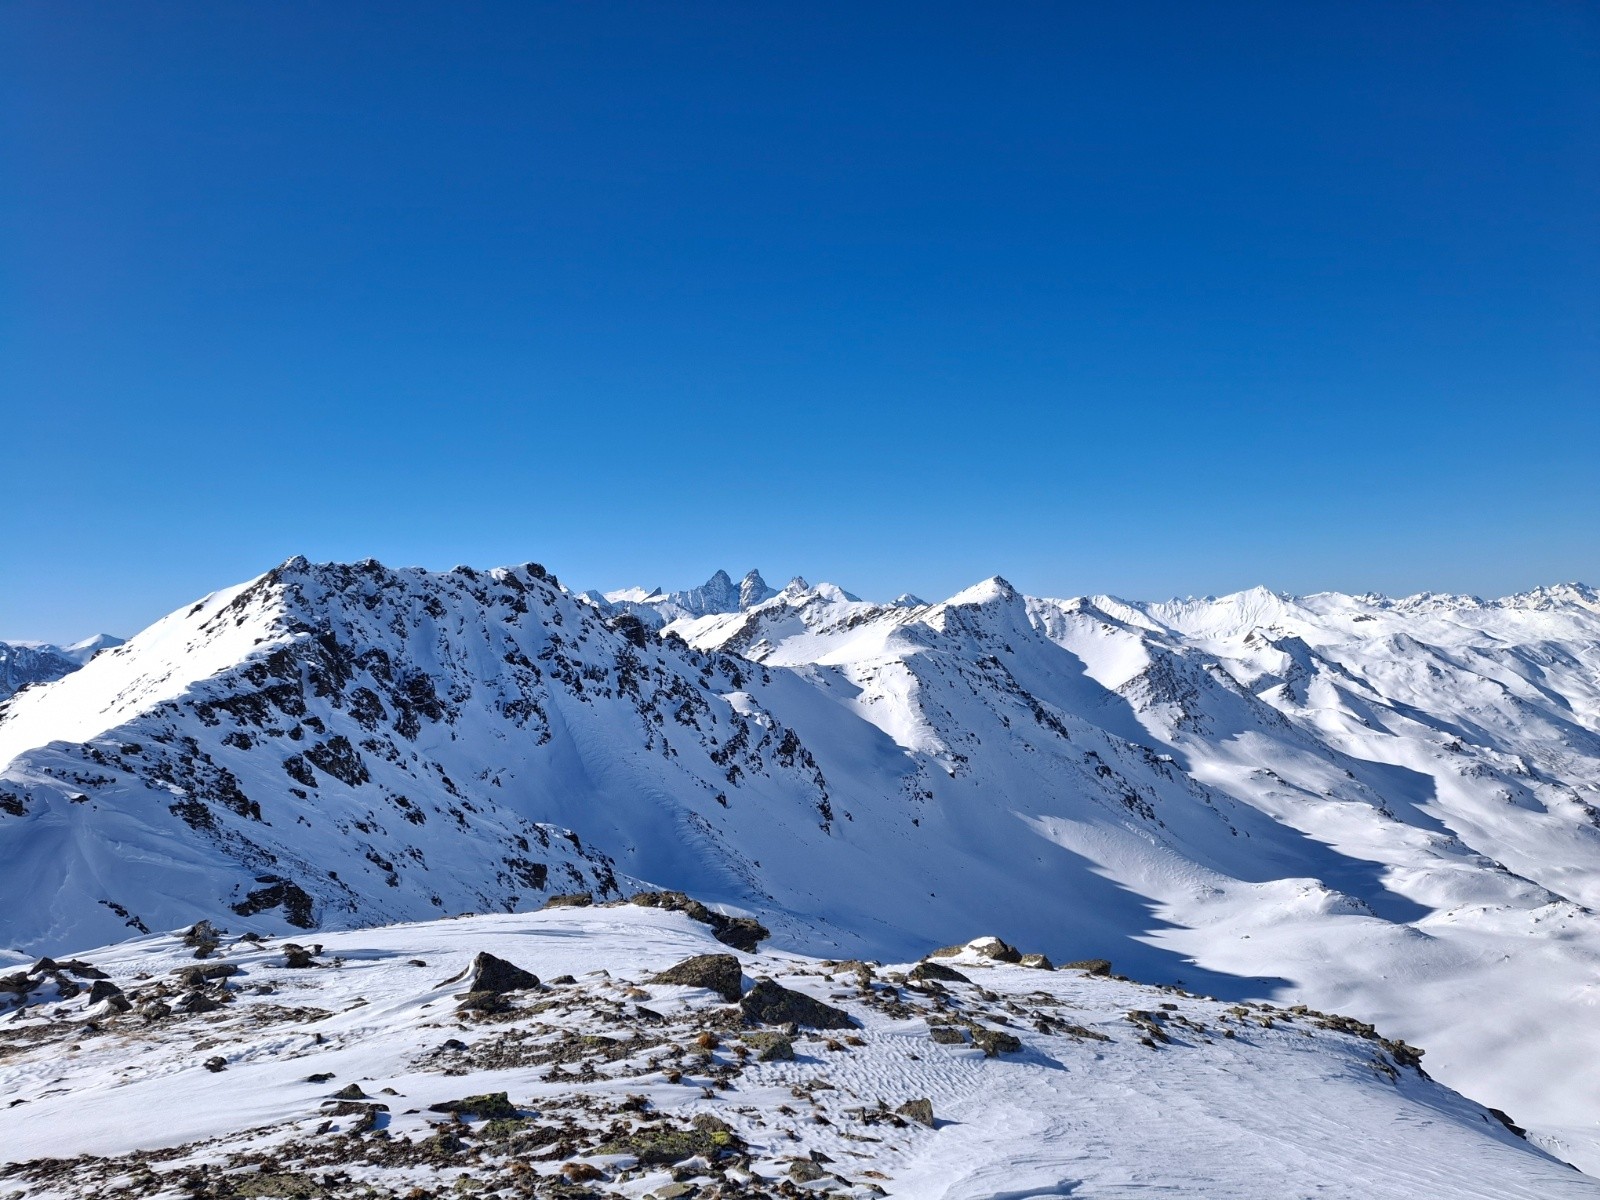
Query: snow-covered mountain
point(26, 663)
point(1387, 808)
point(719, 594)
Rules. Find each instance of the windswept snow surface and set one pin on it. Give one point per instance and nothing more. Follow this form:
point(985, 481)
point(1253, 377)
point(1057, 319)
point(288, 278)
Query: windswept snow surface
point(1386, 808)
point(1111, 1089)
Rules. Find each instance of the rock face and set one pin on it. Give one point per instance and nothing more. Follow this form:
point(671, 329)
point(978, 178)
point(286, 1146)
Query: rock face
point(770, 1003)
point(497, 976)
point(719, 973)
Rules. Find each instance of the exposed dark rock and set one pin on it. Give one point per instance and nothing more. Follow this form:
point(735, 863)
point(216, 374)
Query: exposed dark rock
point(770, 1003)
point(570, 900)
point(947, 1035)
point(296, 903)
point(936, 971)
point(103, 989)
point(719, 973)
point(1509, 1123)
point(1038, 962)
point(216, 1063)
point(297, 957)
point(204, 938)
point(491, 974)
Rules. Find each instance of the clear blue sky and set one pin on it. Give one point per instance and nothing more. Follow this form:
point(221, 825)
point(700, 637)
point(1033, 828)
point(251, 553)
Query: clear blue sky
point(1151, 298)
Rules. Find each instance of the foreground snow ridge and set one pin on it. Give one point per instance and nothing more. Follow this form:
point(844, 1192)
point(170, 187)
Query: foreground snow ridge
point(587, 1063)
point(1385, 808)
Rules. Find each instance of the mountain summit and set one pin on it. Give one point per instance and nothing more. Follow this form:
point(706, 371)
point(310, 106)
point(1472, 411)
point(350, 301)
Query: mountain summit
point(1386, 808)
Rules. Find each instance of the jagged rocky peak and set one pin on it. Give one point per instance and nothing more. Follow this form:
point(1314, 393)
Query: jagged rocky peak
point(753, 590)
point(715, 596)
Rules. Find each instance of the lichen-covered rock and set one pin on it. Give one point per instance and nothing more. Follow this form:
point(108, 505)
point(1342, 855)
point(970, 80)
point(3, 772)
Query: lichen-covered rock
point(920, 1111)
point(770, 1003)
point(719, 973)
point(995, 1042)
point(488, 1105)
point(1038, 962)
point(662, 1147)
point(770, 1047)
point(570, 900)
point(1092, 966)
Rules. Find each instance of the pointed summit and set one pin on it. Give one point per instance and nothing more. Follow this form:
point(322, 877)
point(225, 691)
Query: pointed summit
point(753, 590)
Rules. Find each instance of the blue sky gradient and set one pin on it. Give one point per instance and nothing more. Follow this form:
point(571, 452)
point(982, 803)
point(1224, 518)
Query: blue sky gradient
point(1149, 298)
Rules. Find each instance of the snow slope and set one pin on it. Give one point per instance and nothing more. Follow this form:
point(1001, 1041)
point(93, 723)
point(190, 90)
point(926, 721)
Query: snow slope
point(1385, 808)
point(1110, 1089)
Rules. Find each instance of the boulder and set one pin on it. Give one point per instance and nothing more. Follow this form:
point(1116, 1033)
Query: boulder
point(924, 971)
point(491, 974)
point(769, 1003)
point(1093, 966)
point(570, 900)
point(103, 989)
point(770, 1047)
point(1038, 962)
point(993, 947)
point(488, 1105)
point(993, 1042)
point(920, 1111)
point(719, 973)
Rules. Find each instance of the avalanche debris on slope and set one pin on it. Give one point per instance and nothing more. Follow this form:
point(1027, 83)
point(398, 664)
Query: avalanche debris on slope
point(361, 1076)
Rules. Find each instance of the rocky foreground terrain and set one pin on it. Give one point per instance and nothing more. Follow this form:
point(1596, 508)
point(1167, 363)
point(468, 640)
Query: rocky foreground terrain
point(632, 1050)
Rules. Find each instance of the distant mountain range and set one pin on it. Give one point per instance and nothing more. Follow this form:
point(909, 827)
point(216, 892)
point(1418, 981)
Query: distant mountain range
point(24, 663)
point(1385, 807)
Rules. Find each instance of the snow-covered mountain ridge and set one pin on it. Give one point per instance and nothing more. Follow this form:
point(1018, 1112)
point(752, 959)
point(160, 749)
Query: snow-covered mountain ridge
point(1381, 807)
point(23, 664)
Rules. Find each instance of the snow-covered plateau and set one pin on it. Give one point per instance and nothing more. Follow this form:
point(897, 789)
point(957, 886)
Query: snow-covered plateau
point(1383, 809)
